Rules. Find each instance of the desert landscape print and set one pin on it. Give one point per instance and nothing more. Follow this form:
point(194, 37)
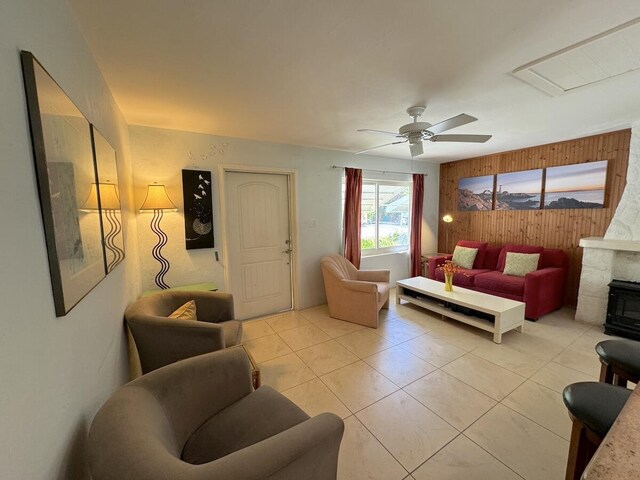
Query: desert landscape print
point(475, 193)
point(519, 190)
point(576, 186)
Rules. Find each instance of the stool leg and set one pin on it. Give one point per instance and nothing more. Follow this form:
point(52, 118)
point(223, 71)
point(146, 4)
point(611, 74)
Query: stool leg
point(620, 381)
point(581, 449)
point(606, 373)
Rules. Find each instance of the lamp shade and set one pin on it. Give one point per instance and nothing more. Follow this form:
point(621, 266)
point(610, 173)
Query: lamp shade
point(157, 199)
point(109, 198)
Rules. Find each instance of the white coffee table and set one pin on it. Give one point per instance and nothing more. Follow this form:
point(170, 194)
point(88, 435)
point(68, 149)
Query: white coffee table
point(430, 294)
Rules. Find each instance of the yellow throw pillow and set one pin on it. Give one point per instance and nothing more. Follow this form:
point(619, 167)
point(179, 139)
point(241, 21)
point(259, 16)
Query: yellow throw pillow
point(186, 311)
point(519, 264)
point(464, 257)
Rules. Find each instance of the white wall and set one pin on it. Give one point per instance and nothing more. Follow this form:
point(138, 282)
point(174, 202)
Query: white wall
point(160, 155)
point(54, 372)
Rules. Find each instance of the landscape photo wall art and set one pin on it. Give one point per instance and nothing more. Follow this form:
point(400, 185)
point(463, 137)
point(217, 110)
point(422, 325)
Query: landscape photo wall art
point(576, 186)
point(519, 190)
point(475, 193)
point(198, 209)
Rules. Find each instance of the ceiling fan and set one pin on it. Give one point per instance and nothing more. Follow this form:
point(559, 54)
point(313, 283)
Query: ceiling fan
point(416, 132)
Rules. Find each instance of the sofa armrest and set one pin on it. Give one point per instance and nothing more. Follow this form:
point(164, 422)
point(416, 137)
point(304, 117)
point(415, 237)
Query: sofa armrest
point(314, 444)
point(544, 289)
point(359, 286)
point(435, 262)
point(374, 275)
point(161, 341)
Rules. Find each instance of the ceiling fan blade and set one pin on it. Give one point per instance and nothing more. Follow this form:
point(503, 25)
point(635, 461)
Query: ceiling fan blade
point(450, 123)
point(460, 138)
point(369, 130)
point(416, 149)
point(379, 146)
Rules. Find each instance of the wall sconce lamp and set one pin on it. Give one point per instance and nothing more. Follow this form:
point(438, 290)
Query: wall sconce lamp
point(447, 219)
point(157, 201)
point(110, 204)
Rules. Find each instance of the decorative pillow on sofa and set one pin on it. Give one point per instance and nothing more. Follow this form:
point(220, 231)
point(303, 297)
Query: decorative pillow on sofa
point(519, 264)
point(464, 257)
point(510, 247)
point(186, 311)
point(481, 246)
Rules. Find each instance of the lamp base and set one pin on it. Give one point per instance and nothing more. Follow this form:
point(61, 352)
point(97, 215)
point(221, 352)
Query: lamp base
point(157, 250)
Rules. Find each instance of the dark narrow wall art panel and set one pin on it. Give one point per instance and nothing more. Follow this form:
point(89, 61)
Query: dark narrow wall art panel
point(198, 209)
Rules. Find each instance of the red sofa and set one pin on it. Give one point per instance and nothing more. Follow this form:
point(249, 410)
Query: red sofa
point(542, 291)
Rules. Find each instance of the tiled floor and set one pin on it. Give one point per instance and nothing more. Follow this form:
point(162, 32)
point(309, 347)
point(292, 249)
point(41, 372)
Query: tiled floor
point(426, 398)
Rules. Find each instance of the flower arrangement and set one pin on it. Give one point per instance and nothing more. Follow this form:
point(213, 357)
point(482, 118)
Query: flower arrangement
point(449, 268)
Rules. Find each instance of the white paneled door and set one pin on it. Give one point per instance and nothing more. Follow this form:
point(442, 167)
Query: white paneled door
point(258, 242)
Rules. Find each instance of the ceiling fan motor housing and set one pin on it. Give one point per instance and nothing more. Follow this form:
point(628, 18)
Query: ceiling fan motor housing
point(414, 128)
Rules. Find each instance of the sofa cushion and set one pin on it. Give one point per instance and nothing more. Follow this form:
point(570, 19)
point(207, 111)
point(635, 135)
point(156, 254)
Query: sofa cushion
point(481, 246)
point(491, 255)
point(464, 257)
point(499, 282)
point(460, 278)
point(519, 264)
point(250, 420)
point(186, 311)
point(516, 249)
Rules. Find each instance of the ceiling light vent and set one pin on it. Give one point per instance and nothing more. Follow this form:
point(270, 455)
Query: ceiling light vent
point(609, 54)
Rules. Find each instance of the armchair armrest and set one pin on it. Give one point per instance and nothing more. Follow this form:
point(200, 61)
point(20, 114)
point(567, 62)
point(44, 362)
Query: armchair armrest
point(359, 286)
point(276, 457)
point(435, 262)
point(374, 275)
point(161, 341)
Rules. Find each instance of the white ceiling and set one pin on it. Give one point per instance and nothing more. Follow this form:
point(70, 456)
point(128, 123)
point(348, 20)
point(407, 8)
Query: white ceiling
point(311, 72)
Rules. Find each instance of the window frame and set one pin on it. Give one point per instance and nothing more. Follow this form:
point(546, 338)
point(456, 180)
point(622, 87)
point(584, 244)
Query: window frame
point(370, 252)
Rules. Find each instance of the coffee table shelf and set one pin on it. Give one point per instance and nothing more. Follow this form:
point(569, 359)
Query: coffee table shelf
point(430, 294)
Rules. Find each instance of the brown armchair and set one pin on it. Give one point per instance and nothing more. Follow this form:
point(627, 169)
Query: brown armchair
point(201, 419)
point(161, 340)
point(354, 295)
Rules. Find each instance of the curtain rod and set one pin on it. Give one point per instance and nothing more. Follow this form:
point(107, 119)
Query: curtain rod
point(380, 171)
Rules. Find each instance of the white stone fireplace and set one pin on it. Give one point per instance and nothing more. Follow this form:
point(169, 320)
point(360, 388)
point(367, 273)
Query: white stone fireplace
point(617, 255)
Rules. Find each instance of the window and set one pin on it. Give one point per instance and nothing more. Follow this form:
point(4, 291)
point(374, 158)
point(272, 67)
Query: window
point(385, 212)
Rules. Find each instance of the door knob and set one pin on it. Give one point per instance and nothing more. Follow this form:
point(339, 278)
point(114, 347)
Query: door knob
point(288, 250)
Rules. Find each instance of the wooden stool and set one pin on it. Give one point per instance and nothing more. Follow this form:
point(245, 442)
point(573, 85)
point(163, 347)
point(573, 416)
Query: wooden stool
point(620, 361)
point(593, 407)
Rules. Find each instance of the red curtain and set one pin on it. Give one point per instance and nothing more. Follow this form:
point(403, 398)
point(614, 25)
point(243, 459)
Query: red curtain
point(416, 224)
point(352, 205)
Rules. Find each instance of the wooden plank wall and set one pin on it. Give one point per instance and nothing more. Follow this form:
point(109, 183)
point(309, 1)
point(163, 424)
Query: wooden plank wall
point(549, 228)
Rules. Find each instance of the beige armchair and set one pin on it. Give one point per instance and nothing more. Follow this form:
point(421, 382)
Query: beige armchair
point(161, 340)
point(354, 295)
point(201, 419)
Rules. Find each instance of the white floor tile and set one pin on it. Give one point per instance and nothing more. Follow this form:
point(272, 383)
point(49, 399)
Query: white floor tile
point(464, 460)
point(542, 405)
point(433, 350)
point(358, 385)
point(399, 366)
point(409, 430)
point(327, 357)
point(455, 401)
point(530, 450)
point(315, 398)
point(362, 457)
point(485, 376)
